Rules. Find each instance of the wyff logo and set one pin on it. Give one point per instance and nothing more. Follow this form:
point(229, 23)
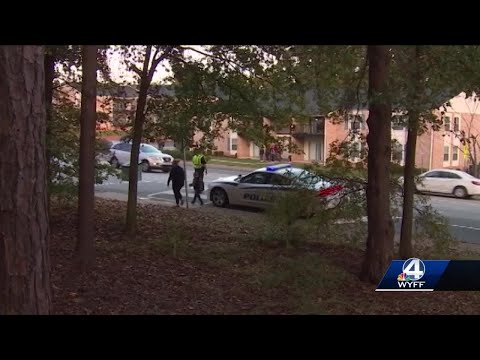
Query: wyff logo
point(412, 271)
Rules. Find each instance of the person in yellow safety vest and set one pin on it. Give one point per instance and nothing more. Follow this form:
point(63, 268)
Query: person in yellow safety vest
point(199, 163)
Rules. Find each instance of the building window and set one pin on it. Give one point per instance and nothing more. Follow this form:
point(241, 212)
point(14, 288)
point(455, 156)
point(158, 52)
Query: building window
point(234, 144)
point(446, 153)
point(119, 106)
point(355, 122)
point(318, 124)
point(399, 122)
point(446, 122)
point(455, 153)
point(397, 152)
point(456, 124)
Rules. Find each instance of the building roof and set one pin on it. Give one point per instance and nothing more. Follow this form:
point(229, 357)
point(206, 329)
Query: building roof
point(311, 98)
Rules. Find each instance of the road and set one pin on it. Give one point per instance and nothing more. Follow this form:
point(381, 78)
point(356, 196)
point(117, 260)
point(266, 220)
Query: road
point(463, 215)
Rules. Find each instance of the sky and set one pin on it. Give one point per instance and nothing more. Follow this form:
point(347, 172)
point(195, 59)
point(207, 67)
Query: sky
point(119, 72)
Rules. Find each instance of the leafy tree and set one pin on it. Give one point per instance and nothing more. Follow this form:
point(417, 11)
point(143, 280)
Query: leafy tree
point(469, 134)
point(61, 66)
point(424, 78)
point(150, 56)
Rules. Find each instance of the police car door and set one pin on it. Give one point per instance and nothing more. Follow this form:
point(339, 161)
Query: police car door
point(252, 189)
point(279, 184)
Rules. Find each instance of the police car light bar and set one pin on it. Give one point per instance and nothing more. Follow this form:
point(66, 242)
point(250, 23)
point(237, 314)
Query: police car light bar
point(277, 167)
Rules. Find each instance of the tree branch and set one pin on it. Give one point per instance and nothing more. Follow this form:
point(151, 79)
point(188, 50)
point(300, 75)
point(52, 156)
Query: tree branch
point(227, 62)
point(135, 69)
point(157, 61)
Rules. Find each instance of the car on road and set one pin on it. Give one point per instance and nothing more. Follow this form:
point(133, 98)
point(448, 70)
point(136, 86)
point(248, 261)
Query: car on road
point(447, 181)
point(149, 157)
point(259, 188)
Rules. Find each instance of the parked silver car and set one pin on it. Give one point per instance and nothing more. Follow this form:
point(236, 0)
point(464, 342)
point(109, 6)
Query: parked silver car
point(149, 157)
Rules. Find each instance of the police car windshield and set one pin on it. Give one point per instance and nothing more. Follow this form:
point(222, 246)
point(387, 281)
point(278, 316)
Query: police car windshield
point(300, 174)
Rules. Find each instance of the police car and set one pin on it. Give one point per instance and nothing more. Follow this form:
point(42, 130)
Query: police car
point(259, 188)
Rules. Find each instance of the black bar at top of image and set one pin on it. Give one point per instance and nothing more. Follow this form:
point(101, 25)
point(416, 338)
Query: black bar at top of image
point(460, 275)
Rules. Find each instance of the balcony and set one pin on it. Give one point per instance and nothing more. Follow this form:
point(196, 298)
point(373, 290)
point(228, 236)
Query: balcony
point(315, 127)
point(283, 131)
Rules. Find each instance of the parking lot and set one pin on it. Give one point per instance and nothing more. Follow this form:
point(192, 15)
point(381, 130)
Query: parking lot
point(463, 215)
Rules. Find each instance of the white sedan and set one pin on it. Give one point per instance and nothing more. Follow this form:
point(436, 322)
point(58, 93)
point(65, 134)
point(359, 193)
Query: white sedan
point(447, 181)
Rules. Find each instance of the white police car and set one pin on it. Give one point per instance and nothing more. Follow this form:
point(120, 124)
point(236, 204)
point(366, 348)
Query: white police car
point(258, 189)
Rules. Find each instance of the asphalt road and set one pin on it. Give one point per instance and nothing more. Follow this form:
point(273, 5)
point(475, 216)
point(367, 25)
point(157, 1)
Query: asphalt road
point(463, 215)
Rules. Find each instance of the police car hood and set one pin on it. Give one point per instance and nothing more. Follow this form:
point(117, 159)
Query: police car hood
point(226, 179)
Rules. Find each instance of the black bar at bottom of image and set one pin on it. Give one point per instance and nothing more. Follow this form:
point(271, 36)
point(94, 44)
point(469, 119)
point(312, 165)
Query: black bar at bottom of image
point(460, 275)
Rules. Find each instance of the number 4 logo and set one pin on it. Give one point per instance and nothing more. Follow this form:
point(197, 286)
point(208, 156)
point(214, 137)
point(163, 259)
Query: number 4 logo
point(414, 268)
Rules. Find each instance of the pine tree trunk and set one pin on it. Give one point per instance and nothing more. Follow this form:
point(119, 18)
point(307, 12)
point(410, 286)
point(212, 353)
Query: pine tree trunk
point(24, 228)
point(380, 225)
point(85, 249)
point(49, 66)
point(406, 247)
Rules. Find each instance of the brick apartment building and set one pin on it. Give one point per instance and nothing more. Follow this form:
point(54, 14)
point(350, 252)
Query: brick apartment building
point(435, 149)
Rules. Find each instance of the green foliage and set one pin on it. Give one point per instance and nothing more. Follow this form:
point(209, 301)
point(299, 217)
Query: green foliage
point(284, 221)
point(244, 84)
point(431, 233)
point(68, 62)
point(63, 143)
point(105, 133)
point(397, 170)
point(345, 222)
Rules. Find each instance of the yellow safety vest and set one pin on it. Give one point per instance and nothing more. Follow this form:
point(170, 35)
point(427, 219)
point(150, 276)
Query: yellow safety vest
point(197, 161)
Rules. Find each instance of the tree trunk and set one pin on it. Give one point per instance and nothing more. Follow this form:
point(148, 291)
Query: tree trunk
point(379, 250)
point(49, 65)
point(24, 229)
point(85, 250)
point(406, 248)
point(137, 138)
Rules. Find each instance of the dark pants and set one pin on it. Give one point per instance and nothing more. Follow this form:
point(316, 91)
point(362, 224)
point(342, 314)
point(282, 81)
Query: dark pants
point(176, 192)
point(197, 196)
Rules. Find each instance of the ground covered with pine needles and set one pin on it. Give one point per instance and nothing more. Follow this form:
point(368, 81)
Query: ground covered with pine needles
point(214, 261)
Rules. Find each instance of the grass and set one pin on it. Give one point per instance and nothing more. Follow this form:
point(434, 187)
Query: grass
point(248, 163)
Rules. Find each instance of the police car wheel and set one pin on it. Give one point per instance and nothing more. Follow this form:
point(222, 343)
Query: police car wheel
point(219, 197)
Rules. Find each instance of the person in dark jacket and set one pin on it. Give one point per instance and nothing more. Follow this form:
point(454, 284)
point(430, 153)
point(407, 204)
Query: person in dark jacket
point(198, 187)
point(177, 177)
